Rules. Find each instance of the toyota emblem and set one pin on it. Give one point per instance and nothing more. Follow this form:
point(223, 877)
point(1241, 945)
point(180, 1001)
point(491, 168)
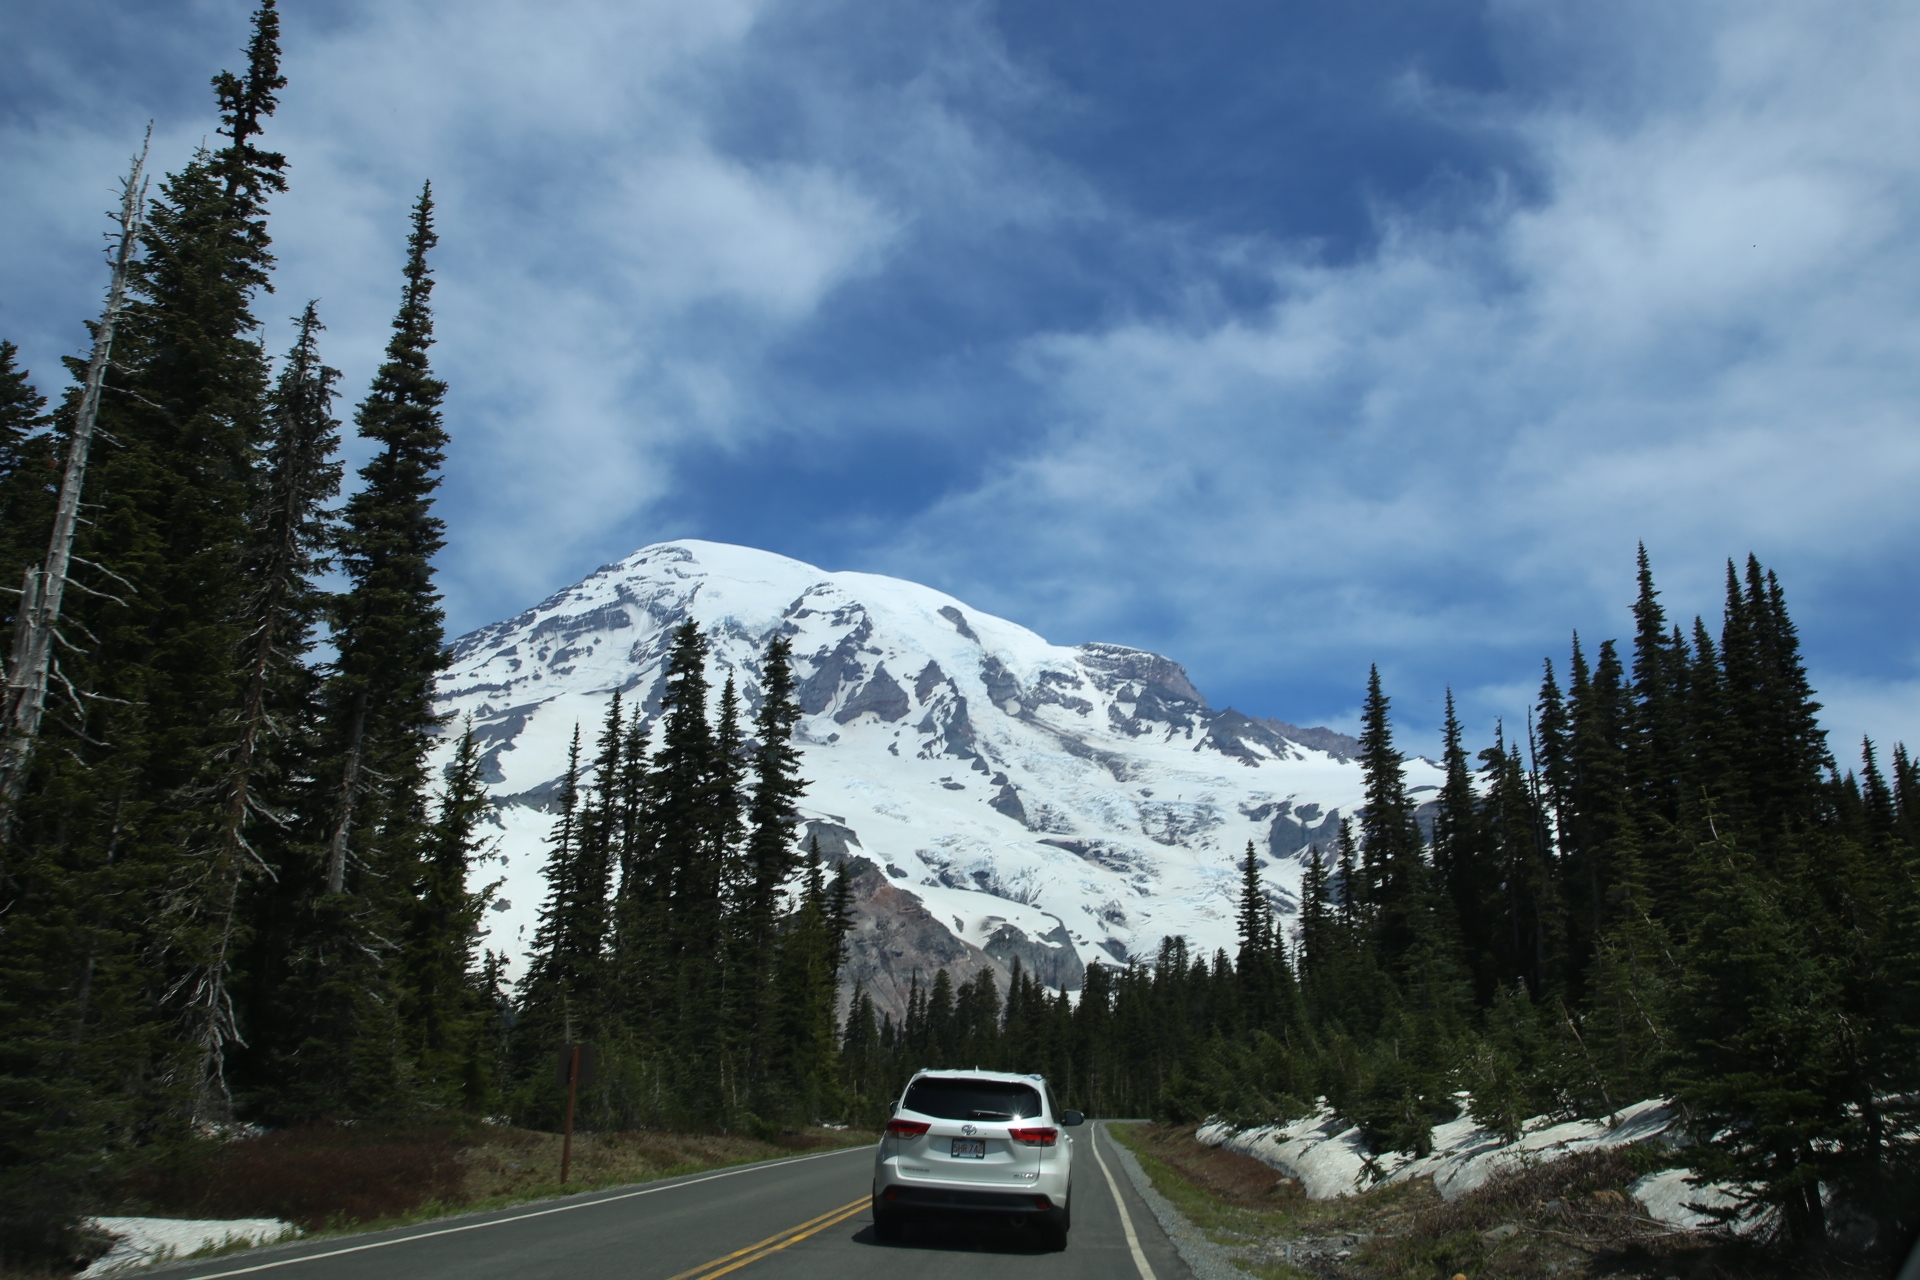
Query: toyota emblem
point(968, 1129)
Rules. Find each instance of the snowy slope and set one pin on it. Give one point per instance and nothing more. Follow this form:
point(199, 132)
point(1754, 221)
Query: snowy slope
point(1066, 805)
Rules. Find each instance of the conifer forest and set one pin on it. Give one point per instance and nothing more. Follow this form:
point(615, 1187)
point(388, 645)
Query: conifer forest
point(232, 890)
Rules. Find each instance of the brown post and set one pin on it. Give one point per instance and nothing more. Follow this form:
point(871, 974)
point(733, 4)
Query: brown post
point(573, 1086)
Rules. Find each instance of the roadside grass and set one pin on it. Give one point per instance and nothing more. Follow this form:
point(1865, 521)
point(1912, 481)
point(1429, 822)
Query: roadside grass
point(1569, 1219)
point(336, 1179)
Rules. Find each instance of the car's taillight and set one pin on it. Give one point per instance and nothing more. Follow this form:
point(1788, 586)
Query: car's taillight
point(907, 1128)
point(1039, 1137)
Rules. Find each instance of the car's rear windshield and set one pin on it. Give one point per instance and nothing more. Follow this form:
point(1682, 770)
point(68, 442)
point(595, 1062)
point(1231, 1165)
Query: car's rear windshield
point(949, 1099)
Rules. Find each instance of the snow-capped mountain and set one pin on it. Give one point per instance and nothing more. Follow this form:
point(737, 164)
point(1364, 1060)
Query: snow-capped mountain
point(1001, 796)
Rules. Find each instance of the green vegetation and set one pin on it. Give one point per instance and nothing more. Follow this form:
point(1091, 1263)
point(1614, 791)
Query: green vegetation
point(230, 890)
point(1666, 888)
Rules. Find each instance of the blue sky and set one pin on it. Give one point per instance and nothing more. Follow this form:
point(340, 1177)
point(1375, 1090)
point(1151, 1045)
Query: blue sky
point(1279, 338)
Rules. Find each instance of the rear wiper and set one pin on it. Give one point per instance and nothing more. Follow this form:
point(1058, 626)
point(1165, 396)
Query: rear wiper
point(989, 1115)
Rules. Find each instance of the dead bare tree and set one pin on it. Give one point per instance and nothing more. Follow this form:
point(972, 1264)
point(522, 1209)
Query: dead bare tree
point(36, 625)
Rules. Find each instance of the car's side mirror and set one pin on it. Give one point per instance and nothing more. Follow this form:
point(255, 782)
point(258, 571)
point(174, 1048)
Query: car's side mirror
point(893, 1108)
point(1071, 1118)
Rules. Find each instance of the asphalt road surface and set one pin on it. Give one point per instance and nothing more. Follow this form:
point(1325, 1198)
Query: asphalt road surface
point(804, 1217)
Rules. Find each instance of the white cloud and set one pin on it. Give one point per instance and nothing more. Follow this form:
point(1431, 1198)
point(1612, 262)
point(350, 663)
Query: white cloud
point(1703, 335)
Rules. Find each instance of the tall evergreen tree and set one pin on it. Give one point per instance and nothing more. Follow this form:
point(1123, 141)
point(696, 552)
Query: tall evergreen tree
point(558, 997)
point(389, 623)
point(290, 534)
point(1393, 874)
point(1460, 858)
point(1655, 735)
point(771, 821)
point(106, 870)
point(446, 995)
point(689, 865)
point(29, 475)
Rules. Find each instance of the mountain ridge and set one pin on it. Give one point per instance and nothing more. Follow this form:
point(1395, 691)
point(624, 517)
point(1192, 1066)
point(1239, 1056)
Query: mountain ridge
point(1059, 805)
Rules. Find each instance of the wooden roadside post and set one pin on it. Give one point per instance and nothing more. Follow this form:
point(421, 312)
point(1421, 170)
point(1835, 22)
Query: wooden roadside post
point(576, 1069)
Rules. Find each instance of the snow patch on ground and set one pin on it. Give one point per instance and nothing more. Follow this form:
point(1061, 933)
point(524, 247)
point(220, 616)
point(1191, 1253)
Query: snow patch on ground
point(141, 1242)
point(1670, 1199)
point(1331, 1158)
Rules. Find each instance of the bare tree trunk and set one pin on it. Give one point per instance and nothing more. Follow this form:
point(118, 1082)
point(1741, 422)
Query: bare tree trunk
point(39, 616)
point(349, 784)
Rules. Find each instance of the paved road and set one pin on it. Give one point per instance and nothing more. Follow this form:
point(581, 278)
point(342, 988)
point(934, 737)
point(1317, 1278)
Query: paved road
point(804, 1217)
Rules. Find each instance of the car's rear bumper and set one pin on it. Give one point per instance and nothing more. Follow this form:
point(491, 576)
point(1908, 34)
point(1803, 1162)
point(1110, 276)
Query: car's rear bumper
point(906, 1196)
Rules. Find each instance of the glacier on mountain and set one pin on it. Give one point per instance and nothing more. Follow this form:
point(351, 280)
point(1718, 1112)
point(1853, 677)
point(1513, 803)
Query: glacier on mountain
point(995, 796)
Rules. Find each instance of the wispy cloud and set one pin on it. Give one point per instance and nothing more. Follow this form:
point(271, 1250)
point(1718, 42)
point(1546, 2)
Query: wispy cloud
point(1701, 335)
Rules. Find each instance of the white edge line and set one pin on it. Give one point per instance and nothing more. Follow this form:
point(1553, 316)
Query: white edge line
point(541, 1213)
point(1126, 1219)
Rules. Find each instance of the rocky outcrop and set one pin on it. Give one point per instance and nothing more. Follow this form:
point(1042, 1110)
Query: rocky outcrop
point(1341, 746)
point(833, 840)
point(882, 695)
point(833, 668)
point(959, 621)
point(1050, 957)
point(894, 940)
point(1007, 801)
point(1148, 690)
point(1296, 829)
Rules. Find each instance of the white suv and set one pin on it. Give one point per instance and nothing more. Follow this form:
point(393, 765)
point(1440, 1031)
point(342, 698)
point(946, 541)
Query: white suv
point(980, 1142)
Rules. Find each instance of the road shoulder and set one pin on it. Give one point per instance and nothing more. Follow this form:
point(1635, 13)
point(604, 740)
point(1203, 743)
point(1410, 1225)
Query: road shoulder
point(1205, 1259)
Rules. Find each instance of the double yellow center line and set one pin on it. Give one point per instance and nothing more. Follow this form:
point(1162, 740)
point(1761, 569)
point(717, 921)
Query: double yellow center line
point(773, 1243)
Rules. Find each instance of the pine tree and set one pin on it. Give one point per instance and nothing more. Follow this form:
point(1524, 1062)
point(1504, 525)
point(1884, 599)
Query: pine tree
point(1394, 880)
point(29, 474)
point(1597, 805)
point(1316, 917)
point(1523, 909)
point(1761, 1041)
point(771, 819)
point(107, 881)
point(445, 1001)
point(1460, 858)
point(389, 624)
point(372, 789)
point(1655, 735)
point(560, 996)
point(290, 533)
point(1777, 745)
point(805, 988)
point(690, 867)
point(1255, 921)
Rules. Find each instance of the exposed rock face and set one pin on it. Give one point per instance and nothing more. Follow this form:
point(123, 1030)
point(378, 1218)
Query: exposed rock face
point(1050, 957)
point(1340, 746)
point(1007, 801)
point(1147, 689)
point(959, 621)
point(834, 668)
point(896, 940)
point(833, 840)
point(880, 695)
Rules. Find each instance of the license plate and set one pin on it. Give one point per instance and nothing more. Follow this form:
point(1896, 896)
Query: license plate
point(969, 1148)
